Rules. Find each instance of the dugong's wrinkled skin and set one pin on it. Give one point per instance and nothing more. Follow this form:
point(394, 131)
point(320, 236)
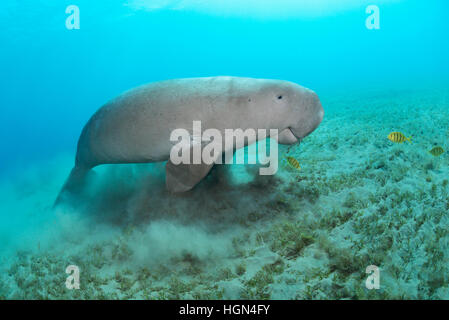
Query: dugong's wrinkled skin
point(135, 127)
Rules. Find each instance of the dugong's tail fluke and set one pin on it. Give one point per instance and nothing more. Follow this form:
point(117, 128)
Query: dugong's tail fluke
point(73, 184)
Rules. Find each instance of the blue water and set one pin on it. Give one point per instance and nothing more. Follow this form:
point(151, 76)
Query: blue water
point(53, 79)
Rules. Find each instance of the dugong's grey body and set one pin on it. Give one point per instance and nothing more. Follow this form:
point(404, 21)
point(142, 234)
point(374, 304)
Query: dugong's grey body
point(135, 127)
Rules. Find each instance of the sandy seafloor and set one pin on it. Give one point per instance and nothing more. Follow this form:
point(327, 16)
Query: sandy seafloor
point(358, 200)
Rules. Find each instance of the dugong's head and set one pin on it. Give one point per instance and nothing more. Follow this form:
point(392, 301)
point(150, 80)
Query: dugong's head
point(295, 108)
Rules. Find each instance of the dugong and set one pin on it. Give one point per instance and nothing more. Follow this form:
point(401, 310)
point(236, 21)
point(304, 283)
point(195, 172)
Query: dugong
point(136, 126)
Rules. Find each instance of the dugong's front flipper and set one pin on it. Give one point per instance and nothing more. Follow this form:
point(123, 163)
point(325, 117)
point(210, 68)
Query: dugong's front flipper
point(183, 177)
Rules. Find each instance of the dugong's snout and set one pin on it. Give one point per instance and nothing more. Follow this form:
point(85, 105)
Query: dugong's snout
point(310, 115)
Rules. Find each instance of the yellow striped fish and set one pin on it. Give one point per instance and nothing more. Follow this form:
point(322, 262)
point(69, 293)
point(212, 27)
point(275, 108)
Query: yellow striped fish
point(436, 151)
point(398, 137)
point(294, 163)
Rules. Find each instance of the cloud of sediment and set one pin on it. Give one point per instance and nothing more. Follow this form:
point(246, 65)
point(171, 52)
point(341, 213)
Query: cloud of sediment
point(201, 223)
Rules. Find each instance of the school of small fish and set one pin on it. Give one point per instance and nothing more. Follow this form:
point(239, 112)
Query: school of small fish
point(399, 137)
point(396, 137)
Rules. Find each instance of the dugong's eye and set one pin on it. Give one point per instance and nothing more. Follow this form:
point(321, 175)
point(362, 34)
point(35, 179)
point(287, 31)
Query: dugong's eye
point(280, 97)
